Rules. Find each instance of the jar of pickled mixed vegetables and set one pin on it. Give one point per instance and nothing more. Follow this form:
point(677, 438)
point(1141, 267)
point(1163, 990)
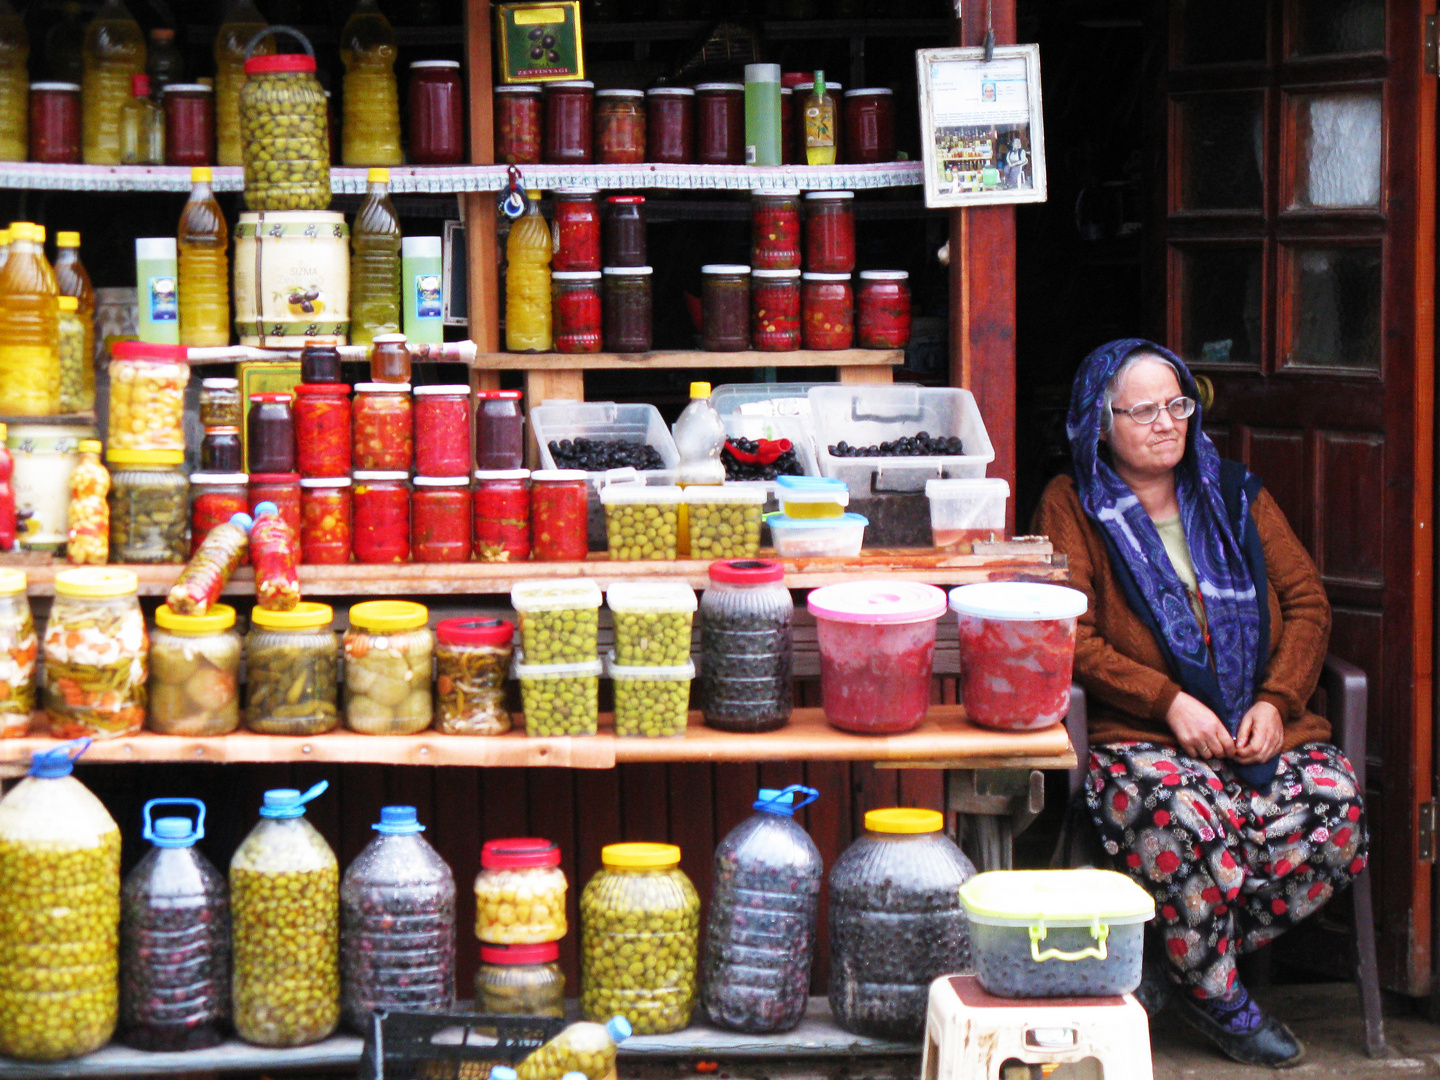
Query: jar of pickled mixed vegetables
point(520, 980)
point(440, 513)
point(220, 403)
point(18, 648)
point(292, 661)
point(520, 892)
point(383, 426)
point(148, 513)
point(472, 662)
point(389, 654)
point(194, 684)
point(325, 520)
point(95, 654)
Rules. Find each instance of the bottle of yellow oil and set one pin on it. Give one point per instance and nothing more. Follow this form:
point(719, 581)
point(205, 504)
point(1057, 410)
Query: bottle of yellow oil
point(242, 21)
point(527, 281)
point(14, 86)
point(375, 264)
point(29, 327)
point(204, 269)
point(74, 280)
point(114, 51)
point(370, 134)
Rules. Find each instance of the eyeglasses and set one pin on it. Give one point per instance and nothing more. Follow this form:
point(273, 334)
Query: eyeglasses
point(1146, 412)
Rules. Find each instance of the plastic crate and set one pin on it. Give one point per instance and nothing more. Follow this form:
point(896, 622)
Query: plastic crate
point(556, 420)
point(770, 411)
point(449, 1046)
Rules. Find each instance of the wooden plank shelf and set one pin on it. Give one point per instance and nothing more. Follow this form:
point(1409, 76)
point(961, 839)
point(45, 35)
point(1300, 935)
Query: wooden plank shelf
point(688, 358)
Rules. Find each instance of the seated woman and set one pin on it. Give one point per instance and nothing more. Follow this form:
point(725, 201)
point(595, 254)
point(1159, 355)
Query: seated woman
point(1210, 782)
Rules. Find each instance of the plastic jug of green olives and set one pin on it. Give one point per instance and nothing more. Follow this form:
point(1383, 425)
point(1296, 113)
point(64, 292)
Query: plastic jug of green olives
point(397, 924)
point(760, 937)
point(174, 939)
point(284, 129)
point(285, 905)
point(60, 895)
point(583, 1047)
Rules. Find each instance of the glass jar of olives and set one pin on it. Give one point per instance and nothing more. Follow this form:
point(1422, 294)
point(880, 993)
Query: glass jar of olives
point(285, 135)
point(520, 980)
point(194, 686)
point(389, 656)
point(520, 892)
point(639, 910)
point(148, 506)
point(746, 647)
point(292, 661)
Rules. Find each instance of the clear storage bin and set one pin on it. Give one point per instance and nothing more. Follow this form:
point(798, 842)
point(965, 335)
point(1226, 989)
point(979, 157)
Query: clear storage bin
point(95, 655)
point(652, 621)
point(560, 699)
point(389, 658)
point(964, 511)
point(520, 980)
point(559, 620)
point(194, 686)
point(817, 538)
point(642, 521)
point(746, 646)
point(724, 521)
point(18, 649)
point(520, 892)
point(472, 662)
point(292, 661)
point(641, 424)
point(653, 702)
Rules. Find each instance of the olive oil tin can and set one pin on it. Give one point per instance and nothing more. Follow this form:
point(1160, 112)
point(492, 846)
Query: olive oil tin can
point(540, 43)
point(292, 278)
point(45, 454)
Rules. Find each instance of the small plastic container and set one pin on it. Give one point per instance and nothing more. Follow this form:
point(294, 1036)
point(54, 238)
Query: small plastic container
point(194, 687)
point(746, 646)
point(652, 622)
point(811, 496)
point(877, 652)
point(1017, 650)
point(800, 538)
point(520, 892)
point(389, 665)
point(559, 620)
point(652, 702)
point(963, 511)
point(442, 430)
point(560, 699)
point(440, 513)
point(606, 421)
point(520, 980)
point(325, 511)
point(292, 664)
point(642, 521)
point(1056, 933)
point(724, 521)
point(472, 662)
point(582, 1047)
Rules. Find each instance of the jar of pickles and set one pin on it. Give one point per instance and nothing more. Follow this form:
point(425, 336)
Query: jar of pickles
point(437, 113)
point(620, 127)
point(775, 229)
point(194, 687)
point(577, 312)
point(325, 520)
point(220, 403)
point(775, 310)
point(499, 430)
point(442, 430)
point(639, 939)
point(389, 655)
point(221, 450)
point(559, 515)
point(883, 316)
point(725, 307)
point(270, 434)
point(95, 655)
point(472, 662)
point(720, 123)
point(520, 893)
point(322, 429)
point(870, 125)
point(520, 980)
point(382, 427)
point(827, 311)
point(381, 516)
point(147, 396)
point(440, 514)
point(577, 230)
point(214, 498)
point(625, 230)
point(518, 125)
point(746, 646)
point(18, 649)
point(830, 232)
point(282, 489)
point(628, 316)
point(569, 127)
point(670, 125)
point(284, 131)
point(148, 520)
point(292, 663)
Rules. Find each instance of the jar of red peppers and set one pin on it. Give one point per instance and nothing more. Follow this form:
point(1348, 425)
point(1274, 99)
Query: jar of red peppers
point(620, 127)
point(625, 231)
point(501, 525)
point(569, 127)
point(381, 427)
point(827, 306)
point(517, 125)
point(882, 319)
point(440, 514)
point(869, 125)
point(380, 531)
point(189, 124)
point(282, 489)
point(725, 307)
point(830, 232)
point(627, 309)
point(322, 429)
point(577, 230)
point(775, 310)
point(499, 430)
point(720, 124)
point(442, 430)
point(325, 520)
point(775, 229)
point(437, 113)
point(270, 434)
point(670, 125)
point(575, 308)
point(213, 498)
point(559, 509)
point(55, 123)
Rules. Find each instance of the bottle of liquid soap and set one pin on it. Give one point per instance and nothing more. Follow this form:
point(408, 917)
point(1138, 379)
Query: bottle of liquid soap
point(114, 51)
point(371, 131)
point(242, 22)
point(14, 85)
point(527, 281)
point(203, 240)
point(375, 264)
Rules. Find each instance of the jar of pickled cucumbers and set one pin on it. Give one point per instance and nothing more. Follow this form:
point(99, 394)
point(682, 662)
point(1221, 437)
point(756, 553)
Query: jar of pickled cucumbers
point(389, 656)
point(95, 654)
point(194, 684)
point(639, 939)
point(292, 661)
point(284, 130)
point(520, 892)
point(18, 647)
point(149, 506)
point(520, 980)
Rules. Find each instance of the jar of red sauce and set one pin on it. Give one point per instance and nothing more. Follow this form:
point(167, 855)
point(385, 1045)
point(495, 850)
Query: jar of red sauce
point(577, 229)
point(518, 125)
point(322, 429)
point(775, 229)
point(499, 430)
point(720, 124)
point(440, 519)
point(437, 113)
point(799, 93)
point(325, 520)
point(380, 531)
point(501, 525)
point(55, 123)
point(442, 430)
point(282, 489)
point(569, 126)
point(827, 306)
point(189, 110)
point(775, 310)
point(576, 312)
point(882, 319)
point(559, 509)
point(620, 127)
point(869, 125)
point(670, 125)
point(627, 309)
point(830, 232)
point(625, 241)
point(214, 497)
point(724, 307)
point(381, 427)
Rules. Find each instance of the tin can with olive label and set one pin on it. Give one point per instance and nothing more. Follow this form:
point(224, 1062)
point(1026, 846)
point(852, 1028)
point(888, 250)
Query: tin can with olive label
point(292, 278)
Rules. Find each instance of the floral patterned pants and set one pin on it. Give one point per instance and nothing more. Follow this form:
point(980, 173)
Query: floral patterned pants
point(1230, 867)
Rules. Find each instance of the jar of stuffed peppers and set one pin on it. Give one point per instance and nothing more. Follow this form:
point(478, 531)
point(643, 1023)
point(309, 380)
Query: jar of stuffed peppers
point(500, 504)
point(292, 667)
point(214, 497)
point(282, 489)
point(382, 427)
point(322, 429)
point(775, 310)
point(440, 514)
point(569, 128)
point(670, 125)
point(442, 430)
point(270, 434)
point(577, 311)
point(381, 516)
point(827, 311)
point(775, 229)
point(620, 127)
point(520, 892)
point(96, 651)
point(194, 687)
point(281, 94)
point(882, 319)
point(148, 519)
point(520, 980)
point(325, 520)
point(830, 232)
point(559, 509)
point(577, 229)
point(220, 404)
point(720, 123)
point(627, 312)
point(518, 125)
point(472, 663)
point(389, 657)
point(725, 307)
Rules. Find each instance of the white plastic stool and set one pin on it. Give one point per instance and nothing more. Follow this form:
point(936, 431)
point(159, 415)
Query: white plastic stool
point(971, 1035)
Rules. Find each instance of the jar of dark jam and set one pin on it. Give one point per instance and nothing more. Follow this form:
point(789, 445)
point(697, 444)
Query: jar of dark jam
point(670, 125)
point(437, 113)
point(575, 311)
point(620, 127)
point(830, 232)
point(576, 229)
point(270, 434)
point(725, 307)
point(518, 125)
point(800, 92)
point(220, 403)
point(55, 123)
point(775, 229)
point(869, 125)
point(320, 364)
point(628, 325)
point(775, 310)
point(882, 319)
point(389, 359)
point(220, 450)
point(499, 430)
point(625, 231)
point(189, 124)
point(720, 124)
point(827, 311)
point(569, 126)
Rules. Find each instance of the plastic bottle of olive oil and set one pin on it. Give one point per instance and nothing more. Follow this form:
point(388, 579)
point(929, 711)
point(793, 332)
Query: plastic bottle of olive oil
point(371, 131)
point(375, 264)
point(527, 281)
point(114, 51)
point(14, 85)
point(74, 280)
point(204, 267)
point(29, 327)
point(242, 22)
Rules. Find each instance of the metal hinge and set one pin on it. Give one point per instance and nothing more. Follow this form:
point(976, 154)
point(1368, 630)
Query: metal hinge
point(1426, 840)
point(1432, 45)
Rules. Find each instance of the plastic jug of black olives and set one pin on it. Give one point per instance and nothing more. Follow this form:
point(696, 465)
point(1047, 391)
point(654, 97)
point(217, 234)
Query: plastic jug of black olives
point(760, 937)
point(174, 938)
point(397, 924)
point(582, 1047)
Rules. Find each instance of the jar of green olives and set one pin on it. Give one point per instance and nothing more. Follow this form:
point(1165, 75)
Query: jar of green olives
point(559, 620)
point(724, 520)
point(560, 699)
point(389, 654)
point(194, 686)
point(520, 980)
point(639, 938)
point(292, 661)
point(651, 701)
point(642, 521)
point(652, 621)
point(284, 130)
point(520, 892)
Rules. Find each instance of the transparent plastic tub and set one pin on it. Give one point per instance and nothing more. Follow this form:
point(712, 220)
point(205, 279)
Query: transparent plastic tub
point(963, 511)
point(812, 496)
point(770, 411)
point(652, 702)
point(724, 520)
point(642, 521)
point(634, 423)
point(652, 621)
point(560, 699)
point(800, 538)
point(559, 620)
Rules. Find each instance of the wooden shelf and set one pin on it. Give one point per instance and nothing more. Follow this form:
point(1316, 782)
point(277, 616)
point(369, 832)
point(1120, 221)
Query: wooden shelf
point(689, 358)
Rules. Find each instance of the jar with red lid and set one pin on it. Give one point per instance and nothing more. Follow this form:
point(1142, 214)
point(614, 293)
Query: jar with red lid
point(499, 430)
point(869, 125)
point(670, 125)
point(627, 310)
point(440, 519)
point(569, 126)
point(442, 431)
point(436, 100)
point(381, 427)
point(720, 123)
point(827, 306)
point(270, 434)
point(55, 123)
point(220, 450)
point(472, 664)
point(214, 497)
point(380, 516)
point(724, 307)
point(501, 525)
point(517, 125)
point(559, 514)
point(775, 229)
point(800, 92)
point(625, 231)
point(775, 310)
point(322, 429)
point(520, 892)
point(830, 232)
point(620, 126)
point(577, 229)
point(882, 318)
point(325, 520)
point(282, 489)
point(389, 359)
point(787, 126)
point(576, 312)
point(189, 110)
point(520, 979)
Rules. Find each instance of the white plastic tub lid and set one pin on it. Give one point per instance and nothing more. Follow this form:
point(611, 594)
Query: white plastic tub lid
point(877, 600)
point(555, 476)
point(669, 673)
point(976, 487)
point(731, 493)
point(620, 494)
point(557, 595)
point(582, 670)
point(650, 597)
point(1055, 898)
point(844, 521)
point(1020, 601)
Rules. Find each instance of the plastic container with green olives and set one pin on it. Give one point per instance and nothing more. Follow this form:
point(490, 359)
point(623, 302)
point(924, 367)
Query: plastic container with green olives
point(560, 699)
point(559, 620)
point(292, 661)
point(724, 520)
point(639, 939)
point(389, 655)
point(583, 1047)
point(194, 686)
point(652, 621)
point(651, 701)
point(520, 980)
point(642, 521)
point(284, 131)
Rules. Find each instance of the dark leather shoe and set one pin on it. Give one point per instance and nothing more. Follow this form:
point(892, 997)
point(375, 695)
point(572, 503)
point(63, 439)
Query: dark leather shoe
point(1156, 991)
point(1270, 1044)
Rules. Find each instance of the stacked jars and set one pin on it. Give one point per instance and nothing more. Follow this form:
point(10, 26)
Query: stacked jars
point(382, 454)
point(220, 417)
point(441, 506)
point(519, 916)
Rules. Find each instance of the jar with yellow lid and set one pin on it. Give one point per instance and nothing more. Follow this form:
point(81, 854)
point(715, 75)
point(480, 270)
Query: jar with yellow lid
point(149, 493)
point(194, 684)
point(18, 646)
point(896, 922)
point(95, 654)
point(639, 939)
point(389, 654)
point(292, 661)
point(520, 892)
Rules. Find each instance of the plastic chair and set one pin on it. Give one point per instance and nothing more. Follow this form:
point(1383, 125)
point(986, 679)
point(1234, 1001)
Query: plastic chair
point(1345, 705)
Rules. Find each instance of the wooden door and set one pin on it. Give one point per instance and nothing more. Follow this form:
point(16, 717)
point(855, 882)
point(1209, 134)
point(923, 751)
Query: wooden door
point(1298, 253)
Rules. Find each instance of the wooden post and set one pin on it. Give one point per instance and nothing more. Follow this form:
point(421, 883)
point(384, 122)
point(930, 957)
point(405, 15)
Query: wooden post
point(478, 208)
